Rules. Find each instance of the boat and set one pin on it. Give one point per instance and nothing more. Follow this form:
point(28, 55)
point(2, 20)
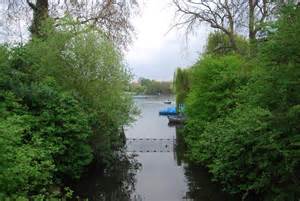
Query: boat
point(168, 111)
point(167, 102)
point(176, 119)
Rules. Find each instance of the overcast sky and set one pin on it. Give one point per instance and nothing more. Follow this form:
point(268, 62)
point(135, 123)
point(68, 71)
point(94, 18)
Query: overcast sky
point(155, 54)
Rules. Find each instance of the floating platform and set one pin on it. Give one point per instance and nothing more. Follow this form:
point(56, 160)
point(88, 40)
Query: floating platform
point(150, 145)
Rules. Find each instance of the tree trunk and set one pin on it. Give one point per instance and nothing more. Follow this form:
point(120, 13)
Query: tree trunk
point(233, 42)
point(231, 33)
point(252, 31)
point(40, 15)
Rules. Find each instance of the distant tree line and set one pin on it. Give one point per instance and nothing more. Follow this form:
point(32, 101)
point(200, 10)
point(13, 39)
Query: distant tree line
point(151, 87)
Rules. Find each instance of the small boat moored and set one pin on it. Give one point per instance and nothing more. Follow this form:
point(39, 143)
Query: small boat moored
point(167, 102)
point(177, 119)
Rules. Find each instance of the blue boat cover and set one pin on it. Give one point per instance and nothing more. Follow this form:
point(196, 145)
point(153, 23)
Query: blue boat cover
point(168, 111)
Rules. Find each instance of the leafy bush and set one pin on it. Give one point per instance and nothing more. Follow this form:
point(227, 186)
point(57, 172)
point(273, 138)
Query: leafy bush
point(244, 116)
point(62, 103)
point(214, 85)
point(43, 136)
point(24, 166)
point(89, 66)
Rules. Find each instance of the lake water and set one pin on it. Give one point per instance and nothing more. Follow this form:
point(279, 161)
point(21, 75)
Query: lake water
point(161, 176)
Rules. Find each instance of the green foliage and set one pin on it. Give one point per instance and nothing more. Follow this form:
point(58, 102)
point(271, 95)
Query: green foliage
point(89, 66)
point(136, 88)
point(218, 43)
point(214, 84)
point(243, 116)
point(23, 165)
point(181, 85)
point(282, 45)
point(62, 103)
point(44, 134)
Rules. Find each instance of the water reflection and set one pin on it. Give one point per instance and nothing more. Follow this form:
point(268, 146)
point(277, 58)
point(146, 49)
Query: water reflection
point(150, 124)
point(198, 180)
point(162, 176)
point(115, 184)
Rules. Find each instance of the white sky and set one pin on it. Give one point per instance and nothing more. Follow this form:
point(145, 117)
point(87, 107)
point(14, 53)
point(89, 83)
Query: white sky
point(155, 54)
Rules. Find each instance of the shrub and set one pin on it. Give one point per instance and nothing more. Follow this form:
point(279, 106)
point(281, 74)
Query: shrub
point(244, 125)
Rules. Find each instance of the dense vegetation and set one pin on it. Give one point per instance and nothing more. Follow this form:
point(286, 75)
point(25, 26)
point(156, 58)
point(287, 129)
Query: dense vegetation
point(151, 87)
point(244, 112)
point(62, 105)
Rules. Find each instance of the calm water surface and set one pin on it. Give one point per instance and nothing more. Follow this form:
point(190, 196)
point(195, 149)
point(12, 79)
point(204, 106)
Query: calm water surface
point(162, 176)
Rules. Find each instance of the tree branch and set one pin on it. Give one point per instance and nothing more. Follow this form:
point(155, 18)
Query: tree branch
point(31, 5)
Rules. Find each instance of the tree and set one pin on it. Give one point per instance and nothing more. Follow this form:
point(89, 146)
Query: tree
point(181, 85)
point(218, 44)
point(111, 16)
point(154, 87)
point(89, 65)
point(40, 14)
point(243, 115)
point(228, 16)
point(62, 104)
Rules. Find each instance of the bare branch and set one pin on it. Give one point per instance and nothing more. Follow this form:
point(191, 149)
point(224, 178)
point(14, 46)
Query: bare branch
point(219, 14)
point(228, 16)
point(31, 5)
point(111, 16)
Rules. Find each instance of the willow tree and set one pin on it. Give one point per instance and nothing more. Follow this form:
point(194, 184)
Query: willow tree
point(111, 16)
point(181, 85)
point(218, 44)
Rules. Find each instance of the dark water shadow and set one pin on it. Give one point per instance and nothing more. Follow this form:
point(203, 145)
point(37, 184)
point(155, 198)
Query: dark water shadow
point(198, 179)
point(157, 177)
point(114, 184)
point(164, 176)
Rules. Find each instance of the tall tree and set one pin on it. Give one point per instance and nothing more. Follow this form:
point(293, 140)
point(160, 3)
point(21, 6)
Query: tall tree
point(228, 16)
point(259, 10)
point(112, 16)
point(40, 14)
